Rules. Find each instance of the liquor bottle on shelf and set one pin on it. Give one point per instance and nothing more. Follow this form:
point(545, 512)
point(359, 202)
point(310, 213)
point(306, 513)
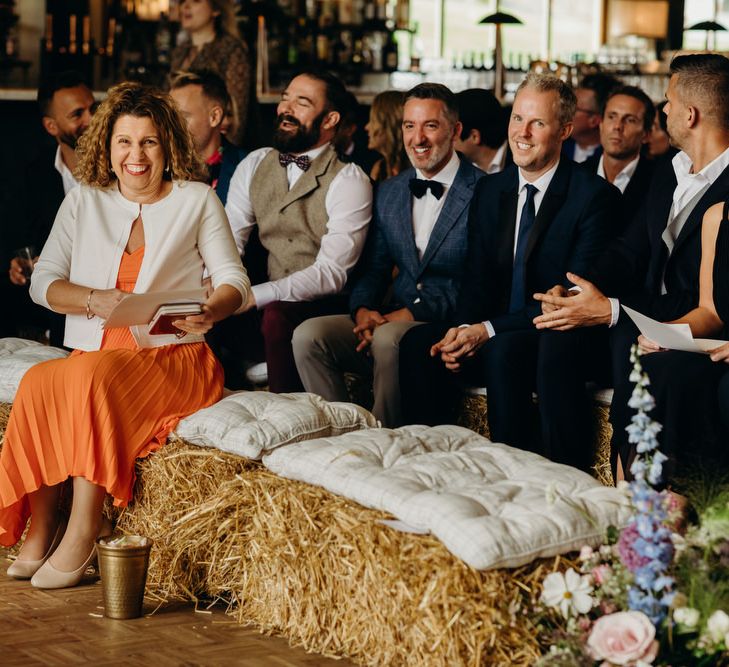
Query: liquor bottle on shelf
point(416, 50)
point(391, 53)
point(163, 40)
point(402, 15)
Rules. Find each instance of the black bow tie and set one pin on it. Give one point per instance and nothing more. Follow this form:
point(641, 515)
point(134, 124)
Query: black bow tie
point(303, 162)
point(419, 186)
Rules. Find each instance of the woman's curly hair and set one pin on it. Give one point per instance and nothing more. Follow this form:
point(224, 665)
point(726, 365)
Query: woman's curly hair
point(134, 99)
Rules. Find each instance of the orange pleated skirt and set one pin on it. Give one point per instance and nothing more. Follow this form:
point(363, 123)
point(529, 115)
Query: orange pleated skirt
point(92, 414)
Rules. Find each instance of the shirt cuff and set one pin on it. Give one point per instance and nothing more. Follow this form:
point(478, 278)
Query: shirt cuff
point(614, 311)
point(489, 328)
point(263, 294)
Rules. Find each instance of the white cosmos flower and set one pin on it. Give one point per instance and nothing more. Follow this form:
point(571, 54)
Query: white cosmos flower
point(686, 616)
point(718, 625)
point(570, 592)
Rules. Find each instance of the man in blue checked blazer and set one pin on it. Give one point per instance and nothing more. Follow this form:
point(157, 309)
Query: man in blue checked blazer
point(418, 233)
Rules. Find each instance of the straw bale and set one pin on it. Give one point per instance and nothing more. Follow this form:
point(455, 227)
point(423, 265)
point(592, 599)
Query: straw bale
point(294, 559)
point(601, 468)
point(175, 494)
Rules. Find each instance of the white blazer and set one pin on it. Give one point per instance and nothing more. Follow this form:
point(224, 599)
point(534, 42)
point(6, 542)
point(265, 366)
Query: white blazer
point(184, 233)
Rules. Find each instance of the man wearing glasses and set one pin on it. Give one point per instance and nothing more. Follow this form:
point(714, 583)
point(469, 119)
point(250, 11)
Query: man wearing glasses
point(592, 94)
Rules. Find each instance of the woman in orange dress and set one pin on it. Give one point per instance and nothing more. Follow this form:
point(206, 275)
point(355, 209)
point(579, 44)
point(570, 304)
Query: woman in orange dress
point(138, 222)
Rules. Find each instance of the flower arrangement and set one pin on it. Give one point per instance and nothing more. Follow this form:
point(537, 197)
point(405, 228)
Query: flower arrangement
point(647, 596)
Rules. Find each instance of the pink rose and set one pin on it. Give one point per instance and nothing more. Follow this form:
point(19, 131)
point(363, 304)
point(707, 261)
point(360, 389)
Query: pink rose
point(586, 552)
point(623, 638)
point(601, 574)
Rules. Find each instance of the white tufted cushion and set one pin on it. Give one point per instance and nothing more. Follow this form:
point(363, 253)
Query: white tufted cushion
point(248, 423)
point(486, 502)
point(17, 355)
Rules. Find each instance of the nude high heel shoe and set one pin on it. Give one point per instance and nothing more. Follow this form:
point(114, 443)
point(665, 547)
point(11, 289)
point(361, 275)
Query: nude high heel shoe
point(25, 569)
point(49, 577)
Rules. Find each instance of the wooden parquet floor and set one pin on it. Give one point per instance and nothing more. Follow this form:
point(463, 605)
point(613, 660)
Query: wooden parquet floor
point(66, 627)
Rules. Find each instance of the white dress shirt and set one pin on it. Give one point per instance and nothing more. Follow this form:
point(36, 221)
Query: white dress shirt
point(427, 208)
point(581, 154)
point(348, 206)
point(688, 186)
point(541, 184)
point(626, 173)
point(497, 162)
point(69, 182)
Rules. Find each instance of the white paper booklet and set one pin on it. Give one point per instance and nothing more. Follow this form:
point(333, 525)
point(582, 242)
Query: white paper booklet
point(672, 336)
point(141, 308)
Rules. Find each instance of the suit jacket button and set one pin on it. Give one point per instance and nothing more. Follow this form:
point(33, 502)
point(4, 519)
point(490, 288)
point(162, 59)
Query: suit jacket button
point(419, 286)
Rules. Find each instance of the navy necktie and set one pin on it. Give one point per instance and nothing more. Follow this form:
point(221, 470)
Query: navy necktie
point(419, 186)
point(518, 272)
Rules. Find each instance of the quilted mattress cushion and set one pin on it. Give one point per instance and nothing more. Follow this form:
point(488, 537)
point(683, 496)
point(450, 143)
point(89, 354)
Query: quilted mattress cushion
point(17, 355)
point(248, 423)
point(491, 505)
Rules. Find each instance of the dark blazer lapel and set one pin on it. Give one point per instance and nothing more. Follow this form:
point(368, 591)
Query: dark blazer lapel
point(402, 217)
point(458, 197)
point(552, 201)
point(309, 180)
point(721, 184)
point(508, 200)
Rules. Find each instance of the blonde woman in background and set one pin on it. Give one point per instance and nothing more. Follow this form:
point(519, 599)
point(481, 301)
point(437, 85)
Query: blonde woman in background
point(213, 42)
point(385, 135)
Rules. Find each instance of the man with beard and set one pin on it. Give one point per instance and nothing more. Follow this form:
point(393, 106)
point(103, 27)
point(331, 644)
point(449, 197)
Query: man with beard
point(419, 226)
point(66, 105)
point(654, 266)
point(527, 224)
point(312, 212)
point(626, 125)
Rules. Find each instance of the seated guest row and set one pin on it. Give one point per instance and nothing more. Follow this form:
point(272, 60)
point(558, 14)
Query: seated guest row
point(511, 279)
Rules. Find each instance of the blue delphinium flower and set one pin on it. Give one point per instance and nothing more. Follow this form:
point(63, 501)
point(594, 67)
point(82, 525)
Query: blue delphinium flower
point(652, 591)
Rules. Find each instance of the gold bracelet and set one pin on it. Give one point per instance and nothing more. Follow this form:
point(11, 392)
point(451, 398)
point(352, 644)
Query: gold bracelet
point(89, 314)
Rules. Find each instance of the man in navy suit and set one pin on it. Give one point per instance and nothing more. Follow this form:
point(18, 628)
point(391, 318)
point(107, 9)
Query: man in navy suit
point(626, 126)
point(418, 229)
point(527, 226)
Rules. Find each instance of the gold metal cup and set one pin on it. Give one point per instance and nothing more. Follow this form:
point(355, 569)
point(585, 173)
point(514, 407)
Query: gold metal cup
point(123, 571)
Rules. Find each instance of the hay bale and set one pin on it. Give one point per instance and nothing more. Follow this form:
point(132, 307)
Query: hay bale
point(172, 497)
point(296, 560)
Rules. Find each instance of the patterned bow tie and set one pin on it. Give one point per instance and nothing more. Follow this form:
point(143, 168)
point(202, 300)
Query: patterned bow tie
point(303, 162)
point(419, 186)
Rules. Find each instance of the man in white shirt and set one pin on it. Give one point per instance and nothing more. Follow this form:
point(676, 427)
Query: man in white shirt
point(654, 267)
point(66, 105)
point(626, 125)
point(312, 212)
point(591, 96)
point(483, 137)
point(425, 209)
point(526, 224)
